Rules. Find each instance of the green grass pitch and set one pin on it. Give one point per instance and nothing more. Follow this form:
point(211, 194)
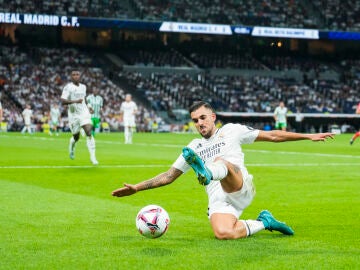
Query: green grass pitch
point(58, 213)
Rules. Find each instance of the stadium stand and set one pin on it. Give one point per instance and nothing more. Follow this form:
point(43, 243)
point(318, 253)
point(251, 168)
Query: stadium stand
point(325, 14)
point(36, 79)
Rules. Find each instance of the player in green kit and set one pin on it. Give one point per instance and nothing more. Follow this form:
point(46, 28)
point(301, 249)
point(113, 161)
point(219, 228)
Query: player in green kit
point(95, 101)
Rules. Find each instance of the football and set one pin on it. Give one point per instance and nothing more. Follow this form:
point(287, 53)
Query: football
point(152, 221)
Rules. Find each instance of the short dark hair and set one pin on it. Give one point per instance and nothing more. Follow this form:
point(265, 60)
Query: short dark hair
point(75, 70)
point(197, 104)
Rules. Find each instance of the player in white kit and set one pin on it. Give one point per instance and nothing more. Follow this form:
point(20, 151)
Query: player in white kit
point(55, 116)
point(218, 161)
point(27, 114)
point(74, 95)
point(128, 111)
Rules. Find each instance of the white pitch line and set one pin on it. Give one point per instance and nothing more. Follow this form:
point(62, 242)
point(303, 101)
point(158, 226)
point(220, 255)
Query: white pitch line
point(167, 166)
point(80, 166)
point(180, 147)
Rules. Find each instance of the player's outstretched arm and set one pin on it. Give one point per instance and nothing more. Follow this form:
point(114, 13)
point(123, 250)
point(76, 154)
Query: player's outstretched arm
point(162, 179)
point(68, 102)
point(284, 136)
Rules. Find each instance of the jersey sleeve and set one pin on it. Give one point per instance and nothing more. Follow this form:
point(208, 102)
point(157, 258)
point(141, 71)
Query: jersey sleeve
point(180, 162)
point(65, 92)
point(276, 111)
point(245, 134)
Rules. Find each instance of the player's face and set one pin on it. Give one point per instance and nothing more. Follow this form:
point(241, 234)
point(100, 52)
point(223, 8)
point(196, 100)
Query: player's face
point(204, 120)
point(75, 76)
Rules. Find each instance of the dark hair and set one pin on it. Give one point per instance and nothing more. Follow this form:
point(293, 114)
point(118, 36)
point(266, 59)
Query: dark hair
point(197, 104)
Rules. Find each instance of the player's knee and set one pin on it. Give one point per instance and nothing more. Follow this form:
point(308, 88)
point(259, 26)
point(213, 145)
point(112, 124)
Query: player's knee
point(223, 233)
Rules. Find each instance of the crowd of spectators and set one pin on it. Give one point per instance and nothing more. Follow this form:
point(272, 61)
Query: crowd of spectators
point(328, 14)
point(32, 77)
point(35, 79)
point(225, 60)
point(159, 57)
point(167, 92)
point(339, 14)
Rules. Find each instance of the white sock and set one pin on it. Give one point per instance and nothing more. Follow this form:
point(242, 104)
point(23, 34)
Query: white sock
point(23, 130)
point(126, 134)
point(218, 169)
point(253, 226)
point(130, 135)
point(90, 142)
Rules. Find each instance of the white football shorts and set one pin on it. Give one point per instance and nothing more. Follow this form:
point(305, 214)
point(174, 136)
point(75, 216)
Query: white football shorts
point(129, 122)
point(231, 203)
point(79, 120)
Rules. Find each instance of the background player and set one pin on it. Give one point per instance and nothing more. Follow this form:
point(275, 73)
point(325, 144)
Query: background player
point(55, 118)
point(27, 114)
point(357, 134)
point(218, 161)
point(73, 95)
point(95, 101)
point(280, 116)
point(128, 111)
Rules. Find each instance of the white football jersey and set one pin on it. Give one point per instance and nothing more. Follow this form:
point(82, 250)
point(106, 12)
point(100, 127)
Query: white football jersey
point(27, 114)
point(73, 92)
point(225, 143)
point(128, 108)
point(281, 114)
point(54, 114)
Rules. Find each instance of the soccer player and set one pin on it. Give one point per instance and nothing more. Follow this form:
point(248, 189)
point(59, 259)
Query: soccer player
point(128, 111)
point(55, 118)
point(357, 134)
point(27, 114)
point(280, 116)
point(218, 161)
point(95, 101)
point(73, 95)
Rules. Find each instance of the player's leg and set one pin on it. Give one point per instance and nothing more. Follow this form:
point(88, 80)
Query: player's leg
point(90, 142)
point(93, 121)
point(220, 170)
point(131, 132)
point(75, 127)
point(28, 127)
point(227, 226)
point(74, 138)
point(126, 134)
point(357, 134)
point(96, 124)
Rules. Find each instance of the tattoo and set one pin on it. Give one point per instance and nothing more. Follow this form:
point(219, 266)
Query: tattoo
point(236, 168)
point(162, 179)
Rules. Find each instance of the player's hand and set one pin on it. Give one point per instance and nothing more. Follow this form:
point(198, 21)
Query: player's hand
point(91, 110)
point(78, 100)
point(322, 136)
point(127, 190)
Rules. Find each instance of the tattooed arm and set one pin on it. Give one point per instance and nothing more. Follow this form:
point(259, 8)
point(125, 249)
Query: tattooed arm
point(162, 179)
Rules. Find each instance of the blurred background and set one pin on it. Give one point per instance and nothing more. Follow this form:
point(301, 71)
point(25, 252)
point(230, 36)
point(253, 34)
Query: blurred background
point(242, 56)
